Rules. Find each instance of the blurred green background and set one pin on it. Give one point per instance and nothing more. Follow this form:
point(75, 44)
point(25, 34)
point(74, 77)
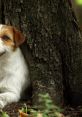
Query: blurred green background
point(77, 7)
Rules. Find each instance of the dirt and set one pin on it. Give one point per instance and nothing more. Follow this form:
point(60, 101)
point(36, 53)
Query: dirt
point(73, 112)
point(13, 109)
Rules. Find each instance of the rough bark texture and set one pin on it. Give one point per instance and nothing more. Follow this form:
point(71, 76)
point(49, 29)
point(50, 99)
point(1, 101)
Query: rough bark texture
point(55, 46)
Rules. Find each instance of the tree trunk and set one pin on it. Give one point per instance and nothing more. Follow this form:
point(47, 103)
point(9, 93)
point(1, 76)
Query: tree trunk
point(54, 46)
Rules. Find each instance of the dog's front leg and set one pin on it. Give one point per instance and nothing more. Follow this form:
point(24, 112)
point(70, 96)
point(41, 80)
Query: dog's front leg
point(8, 97)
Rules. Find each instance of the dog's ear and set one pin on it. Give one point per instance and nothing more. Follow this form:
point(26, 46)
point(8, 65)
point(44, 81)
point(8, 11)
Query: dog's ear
point(18, 37)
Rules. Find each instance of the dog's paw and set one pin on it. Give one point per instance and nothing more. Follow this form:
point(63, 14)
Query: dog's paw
point(1, 104)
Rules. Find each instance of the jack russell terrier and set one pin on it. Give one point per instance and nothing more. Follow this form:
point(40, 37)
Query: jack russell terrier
point(14, 73)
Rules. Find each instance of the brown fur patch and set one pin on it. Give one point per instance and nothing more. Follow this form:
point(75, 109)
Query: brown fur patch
point(9, 43)
point(16, 37)
point(7, 30)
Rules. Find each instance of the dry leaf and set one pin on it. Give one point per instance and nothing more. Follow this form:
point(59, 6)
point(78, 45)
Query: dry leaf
point(59, 114)
point(22, 114)
point(39, 115)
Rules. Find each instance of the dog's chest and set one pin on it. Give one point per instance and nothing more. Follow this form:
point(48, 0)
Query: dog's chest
point(11, 66)
point(7, 69)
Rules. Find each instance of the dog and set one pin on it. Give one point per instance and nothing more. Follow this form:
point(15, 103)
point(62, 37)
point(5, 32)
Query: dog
point(14, 73)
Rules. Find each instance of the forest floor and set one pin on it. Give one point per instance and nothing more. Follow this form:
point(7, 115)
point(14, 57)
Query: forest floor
point(13, 110)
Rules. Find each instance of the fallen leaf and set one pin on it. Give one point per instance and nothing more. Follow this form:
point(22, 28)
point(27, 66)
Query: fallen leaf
point(59, 114)
point(39, 115)
point(22, 114)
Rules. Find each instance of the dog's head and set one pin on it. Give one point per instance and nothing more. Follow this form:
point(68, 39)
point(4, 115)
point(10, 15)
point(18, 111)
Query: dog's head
point(10, 39)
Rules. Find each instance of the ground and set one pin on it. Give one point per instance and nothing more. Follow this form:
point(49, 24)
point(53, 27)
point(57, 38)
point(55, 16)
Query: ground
point(13, 109)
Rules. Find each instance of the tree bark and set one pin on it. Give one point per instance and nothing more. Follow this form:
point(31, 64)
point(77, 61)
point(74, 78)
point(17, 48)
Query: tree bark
point(55, 46)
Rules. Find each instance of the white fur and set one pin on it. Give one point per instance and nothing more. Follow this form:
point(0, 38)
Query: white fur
point(1, 26)
point(14, 75)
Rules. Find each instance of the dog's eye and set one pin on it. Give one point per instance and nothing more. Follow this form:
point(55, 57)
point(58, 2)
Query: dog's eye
point(5, 37)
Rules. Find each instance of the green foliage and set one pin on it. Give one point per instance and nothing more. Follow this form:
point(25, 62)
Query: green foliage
point(4, 114)
point(46, 107)
point(79, 2)
point(24, 109)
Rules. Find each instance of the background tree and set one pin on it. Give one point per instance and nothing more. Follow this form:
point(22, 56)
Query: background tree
point(54, 46)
